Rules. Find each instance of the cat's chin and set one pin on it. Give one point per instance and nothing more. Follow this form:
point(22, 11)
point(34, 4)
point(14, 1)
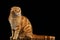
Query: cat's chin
point(18, 14)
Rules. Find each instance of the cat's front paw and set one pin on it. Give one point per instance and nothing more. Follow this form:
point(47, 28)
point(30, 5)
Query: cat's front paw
point(11, 38)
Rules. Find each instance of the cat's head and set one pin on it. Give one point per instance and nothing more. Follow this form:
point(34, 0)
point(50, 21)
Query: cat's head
point(16, 10)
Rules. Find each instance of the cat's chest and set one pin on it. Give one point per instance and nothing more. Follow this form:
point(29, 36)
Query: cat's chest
point(15, 20)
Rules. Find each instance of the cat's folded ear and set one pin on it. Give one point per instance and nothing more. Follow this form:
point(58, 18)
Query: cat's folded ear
point(14, 7)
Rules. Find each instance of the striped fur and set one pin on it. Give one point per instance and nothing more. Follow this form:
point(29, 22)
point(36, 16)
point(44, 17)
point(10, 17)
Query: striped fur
point(22, 28)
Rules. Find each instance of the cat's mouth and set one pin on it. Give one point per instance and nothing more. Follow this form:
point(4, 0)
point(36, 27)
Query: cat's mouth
point(17, 14)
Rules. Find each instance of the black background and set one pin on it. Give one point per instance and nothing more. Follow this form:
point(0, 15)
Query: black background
point(40, 14)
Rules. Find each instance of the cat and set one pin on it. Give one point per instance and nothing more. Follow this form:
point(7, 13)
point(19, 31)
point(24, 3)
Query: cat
point(20, 25)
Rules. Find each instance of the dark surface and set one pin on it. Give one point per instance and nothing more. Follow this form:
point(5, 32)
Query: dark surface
point(42, 23)
point(5, 31)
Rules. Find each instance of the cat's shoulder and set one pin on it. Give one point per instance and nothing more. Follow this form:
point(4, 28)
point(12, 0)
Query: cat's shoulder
point(24, 17)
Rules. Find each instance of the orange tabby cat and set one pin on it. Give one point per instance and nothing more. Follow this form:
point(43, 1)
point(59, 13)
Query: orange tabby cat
point(21, 26)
